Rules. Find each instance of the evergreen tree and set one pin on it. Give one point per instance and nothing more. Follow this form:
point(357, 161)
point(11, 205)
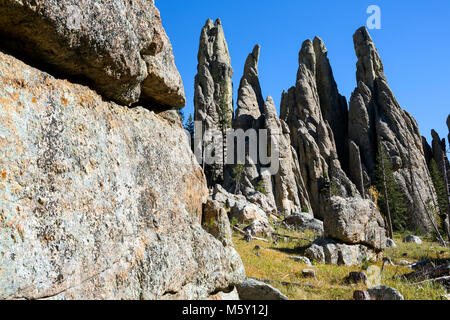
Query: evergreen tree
point(391, 199)
point(189, 127)
point(181, 115)
point(439, 185)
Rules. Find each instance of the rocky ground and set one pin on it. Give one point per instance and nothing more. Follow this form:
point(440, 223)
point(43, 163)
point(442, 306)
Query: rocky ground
point(274, 260)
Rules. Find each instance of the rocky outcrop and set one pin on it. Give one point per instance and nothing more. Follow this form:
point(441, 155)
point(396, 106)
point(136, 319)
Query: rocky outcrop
point(100, 201)
point(440, 155)
point(289, 190)
point(311, 134)
point(332, 104)
point(213, 98)
point(250, 102)
point(375, 117)
point(427, 151)
point(249, 115)
point(119, 48)
point(355, 221)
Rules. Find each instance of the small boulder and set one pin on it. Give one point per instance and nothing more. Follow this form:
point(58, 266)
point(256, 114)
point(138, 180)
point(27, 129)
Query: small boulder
point(304, 221)
point(309, 273)
point(303, 260)
point(390, 243)
point(260, 228)
point(385, 293)
point(356, 278)
point(361, 295)
point(412, 239)
point(251, 290)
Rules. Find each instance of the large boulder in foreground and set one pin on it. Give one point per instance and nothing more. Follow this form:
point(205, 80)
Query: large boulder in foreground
point(99, 201)
point(117, 47)
point(355, 221)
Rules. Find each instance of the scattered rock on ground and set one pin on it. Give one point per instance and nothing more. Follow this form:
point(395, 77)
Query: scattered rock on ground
point(252, 289)
point(412, 239)
point(361, 295)
point(385, 293)
point(390, 243)
point(303, 260)
point(357, 277)
point(309, 273)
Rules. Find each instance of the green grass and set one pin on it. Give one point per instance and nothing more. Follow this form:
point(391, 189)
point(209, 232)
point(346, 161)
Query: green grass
point(273, 264)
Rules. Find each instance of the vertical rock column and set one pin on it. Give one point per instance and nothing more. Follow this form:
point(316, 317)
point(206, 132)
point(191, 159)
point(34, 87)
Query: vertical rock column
point(376, 117)
point(213, 97)
point(311, 134)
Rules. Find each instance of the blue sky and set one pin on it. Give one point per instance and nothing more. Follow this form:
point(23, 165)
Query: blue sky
point(414, 44)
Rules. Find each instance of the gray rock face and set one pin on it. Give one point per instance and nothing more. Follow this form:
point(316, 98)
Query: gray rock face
point(304, 221)
point(355, 221)
point(427, 151)
point(355, 170)
point(117, 47)
point(385, 293)
point(312, 136)
point(376, 116)
point(332, 104)
point(439, 154)
point(250, 102)
point(328, 251)
point(252, 289)
point(213, 98)
point(100, 201)
point(289, 190)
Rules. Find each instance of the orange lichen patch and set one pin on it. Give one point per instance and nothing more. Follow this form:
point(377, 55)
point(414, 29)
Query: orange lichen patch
point(3, 174)
point(64, 101)
point(33, 100)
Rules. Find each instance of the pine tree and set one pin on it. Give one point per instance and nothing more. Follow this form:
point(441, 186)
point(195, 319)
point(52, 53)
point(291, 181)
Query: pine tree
point(391, 199)
point(439, 185)
point(189, 127)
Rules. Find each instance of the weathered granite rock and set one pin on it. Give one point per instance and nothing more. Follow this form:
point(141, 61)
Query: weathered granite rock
point(119, 48)
point(355, 221)
point(260, 227)
point(303, 260)
point(246, 212)
point(385, 293)
point(356, 277)
point(412, 239)
point(250, 102)
point(355, 168)
point(252, 289)
point(215, 221)
point(328, 251)
point(427, 151)
point(304, 221)
point(361, 295)
point(312, 136)
point(332, 104)
point(213, 97)
point(439, 148)
point(289, 190)
point(375, 117)
point(99, 201)
point(390, 243)
point(309, 273)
